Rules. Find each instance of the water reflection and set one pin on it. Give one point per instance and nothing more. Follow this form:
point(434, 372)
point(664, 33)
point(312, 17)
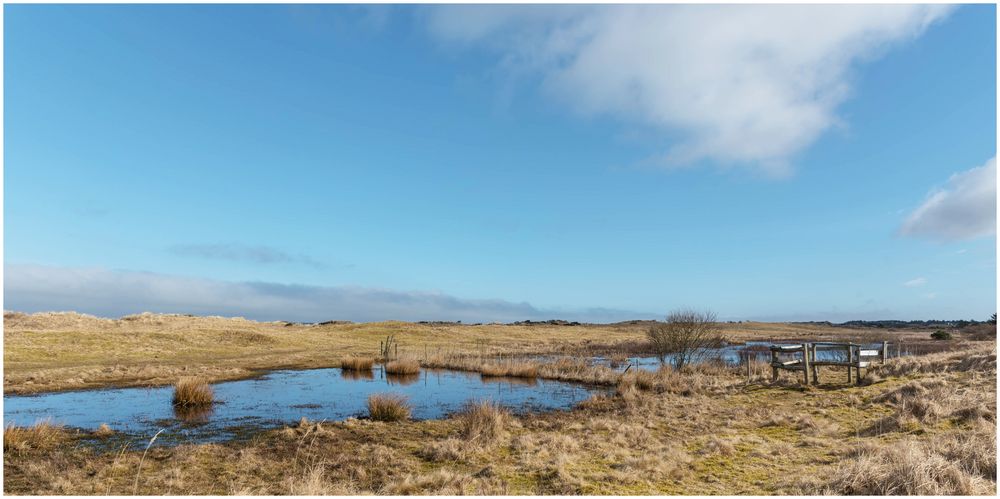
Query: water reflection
point(193, 414)
point(508, 380)
point(402, 379)
point(350, 374)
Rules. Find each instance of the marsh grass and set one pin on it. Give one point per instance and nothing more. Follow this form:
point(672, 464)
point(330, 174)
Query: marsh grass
point(193, 392)
point(388, 407)
point(353, 363)
point(103, 431)
point(404, 366)
point(909, 467)
point(510, 369)
point(39, 436)
point(483, 422)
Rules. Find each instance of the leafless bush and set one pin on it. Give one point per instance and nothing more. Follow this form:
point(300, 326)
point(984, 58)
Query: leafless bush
point(687, 335)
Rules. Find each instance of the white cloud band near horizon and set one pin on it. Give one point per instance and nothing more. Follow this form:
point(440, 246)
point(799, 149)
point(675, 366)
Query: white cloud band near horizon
point(116, 293)
point(745, 85)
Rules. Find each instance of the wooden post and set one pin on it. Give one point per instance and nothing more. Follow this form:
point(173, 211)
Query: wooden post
point(774, 370)
point(857, 362)
point(815, 368)
point(885, 351)
point(850, 361)
point(805, 362)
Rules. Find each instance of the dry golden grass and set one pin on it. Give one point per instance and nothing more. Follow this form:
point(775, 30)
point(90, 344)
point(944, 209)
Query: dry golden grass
point(353, 363)
point(483, 422)
point(911, 467)
point(405, 366)
point(103, 431)
point(724, 438)
point(57, 351)
point(388, 407)
point(193, 392)
point(701, 431)
point(42, 435)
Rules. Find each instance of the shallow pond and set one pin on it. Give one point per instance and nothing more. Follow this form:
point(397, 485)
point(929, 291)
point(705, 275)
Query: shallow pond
point(283, 397)
point(734, 354)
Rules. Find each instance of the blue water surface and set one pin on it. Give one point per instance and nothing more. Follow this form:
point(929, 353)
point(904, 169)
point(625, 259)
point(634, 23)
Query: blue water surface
point(284, 397)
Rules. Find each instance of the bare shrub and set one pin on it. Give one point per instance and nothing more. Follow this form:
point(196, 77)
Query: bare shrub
point(192, 392)
point(388, 407)
point(981, 332)
point(687, 336)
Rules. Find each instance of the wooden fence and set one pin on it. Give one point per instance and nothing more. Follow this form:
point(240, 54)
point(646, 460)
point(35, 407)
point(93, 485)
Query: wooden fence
point(809, 357)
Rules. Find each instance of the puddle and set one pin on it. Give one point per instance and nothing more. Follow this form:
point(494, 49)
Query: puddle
point(283, 397)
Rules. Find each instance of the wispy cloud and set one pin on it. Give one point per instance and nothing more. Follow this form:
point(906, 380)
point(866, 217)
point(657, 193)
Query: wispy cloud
point(912, 283)
point(965, 208)
point(737, 84)
point(264, 255)
point(113, 293)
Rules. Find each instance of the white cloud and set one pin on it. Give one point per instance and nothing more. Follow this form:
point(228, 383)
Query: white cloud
point(745, 85)
point(965, 208)
point(241, 253)
point(912, 283)
point(113, 293)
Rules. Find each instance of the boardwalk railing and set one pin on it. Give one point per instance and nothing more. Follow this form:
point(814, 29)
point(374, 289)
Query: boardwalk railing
point(808, 357)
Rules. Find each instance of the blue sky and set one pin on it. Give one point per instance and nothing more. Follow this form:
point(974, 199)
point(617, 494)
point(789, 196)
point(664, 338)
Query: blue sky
point(501, 163)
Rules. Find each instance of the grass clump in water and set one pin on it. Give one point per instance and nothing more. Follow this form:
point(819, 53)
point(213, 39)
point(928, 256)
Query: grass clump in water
point(388, 407)
point(193, 392)
point(357, 363)
point(407, 366)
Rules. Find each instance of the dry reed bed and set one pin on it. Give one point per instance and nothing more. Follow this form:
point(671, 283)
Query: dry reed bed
point(353, 363)
point(565, 369)
point(42, 435)
point(403, 366)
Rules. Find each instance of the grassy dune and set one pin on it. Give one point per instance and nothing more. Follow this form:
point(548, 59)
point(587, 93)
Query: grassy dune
point(58, 351)
point(922, 425)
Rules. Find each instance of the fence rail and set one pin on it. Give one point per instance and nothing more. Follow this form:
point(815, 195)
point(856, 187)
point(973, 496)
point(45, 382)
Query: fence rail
point(809, 357)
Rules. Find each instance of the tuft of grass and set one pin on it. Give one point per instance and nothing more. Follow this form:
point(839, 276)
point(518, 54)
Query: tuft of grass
point(193, 392)
point(484, 421)
point(103, 431)
point(388, 407)
point(357, 363)
point(41, 435)
point(406, 366)
point(511, 369)
point(907, 467)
